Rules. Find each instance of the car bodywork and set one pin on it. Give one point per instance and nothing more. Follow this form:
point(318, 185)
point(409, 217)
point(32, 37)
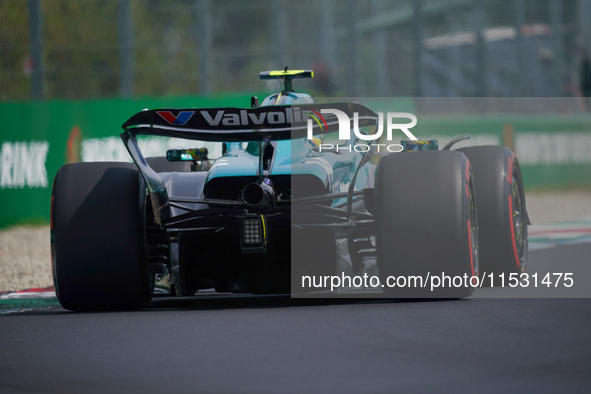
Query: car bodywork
point(271, 181)
point(295, 201)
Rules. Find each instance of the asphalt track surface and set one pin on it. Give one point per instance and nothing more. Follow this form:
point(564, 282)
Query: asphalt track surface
point(275, 344)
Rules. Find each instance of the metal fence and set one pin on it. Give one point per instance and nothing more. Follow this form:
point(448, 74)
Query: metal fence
point(91, 49)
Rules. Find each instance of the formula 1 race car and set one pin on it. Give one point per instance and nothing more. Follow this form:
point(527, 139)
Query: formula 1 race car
point(298, 192)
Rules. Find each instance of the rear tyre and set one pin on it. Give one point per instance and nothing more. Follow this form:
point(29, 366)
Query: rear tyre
point(501, 209)
point(98, 242)
point(426, 225)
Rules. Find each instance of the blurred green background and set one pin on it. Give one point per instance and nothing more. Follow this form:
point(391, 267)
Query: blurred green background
point(513, 72)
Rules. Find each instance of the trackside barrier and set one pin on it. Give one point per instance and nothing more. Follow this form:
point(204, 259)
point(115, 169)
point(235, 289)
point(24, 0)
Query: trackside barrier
point(37, 138)
point(554, 151)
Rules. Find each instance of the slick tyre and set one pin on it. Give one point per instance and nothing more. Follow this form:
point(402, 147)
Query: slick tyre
point(502, 214)
point(98, 237)
point(426, 225)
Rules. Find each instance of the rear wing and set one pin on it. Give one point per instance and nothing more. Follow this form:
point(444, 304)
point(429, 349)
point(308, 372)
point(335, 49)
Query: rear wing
point(230, 125)
point(246, 124)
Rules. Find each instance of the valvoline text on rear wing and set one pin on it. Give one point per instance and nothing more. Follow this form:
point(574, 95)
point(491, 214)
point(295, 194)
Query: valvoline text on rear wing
point(246, 124)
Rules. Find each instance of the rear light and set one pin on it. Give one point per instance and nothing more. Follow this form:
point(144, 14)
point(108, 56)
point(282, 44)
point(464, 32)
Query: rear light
point(253, 233)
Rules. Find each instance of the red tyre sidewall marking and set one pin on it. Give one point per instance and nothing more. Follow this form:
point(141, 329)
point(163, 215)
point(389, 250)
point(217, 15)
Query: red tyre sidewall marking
point(470, 243)
point(511, 223)
point(468, 179)
point(513, 232)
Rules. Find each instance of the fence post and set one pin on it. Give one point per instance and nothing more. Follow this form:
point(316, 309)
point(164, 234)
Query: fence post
point(36, 47)
point(558, 41)
point(327, 35)
point(126, 76)
point(353, 56)
point(521, 77)
point(279, 34)
point(480, 29)
point(382, 80)
point(417, 24)
point(205, 40)
point(585, 25)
